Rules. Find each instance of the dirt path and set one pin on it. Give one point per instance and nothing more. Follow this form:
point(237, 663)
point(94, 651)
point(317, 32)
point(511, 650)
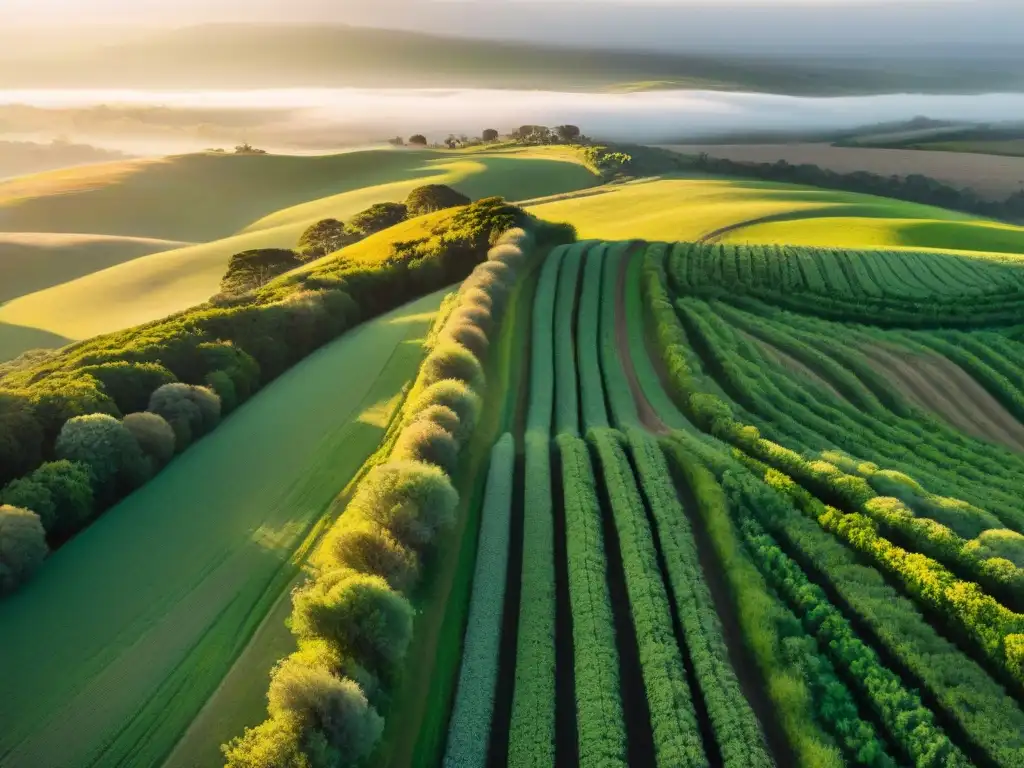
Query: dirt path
point(648, 416)
point(942, 387)
point(793, 365)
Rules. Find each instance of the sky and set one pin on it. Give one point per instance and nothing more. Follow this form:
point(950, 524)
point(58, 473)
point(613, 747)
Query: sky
point(662, 24)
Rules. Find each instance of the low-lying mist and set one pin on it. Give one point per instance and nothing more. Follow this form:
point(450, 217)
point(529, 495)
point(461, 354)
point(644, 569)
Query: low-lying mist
point(319, 120)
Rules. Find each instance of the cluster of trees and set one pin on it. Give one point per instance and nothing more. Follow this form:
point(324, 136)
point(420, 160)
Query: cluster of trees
point(251, 270)
point(914, 188)
point(228, 351)
point(526, 134)
point(354, 620)
point(98, 459)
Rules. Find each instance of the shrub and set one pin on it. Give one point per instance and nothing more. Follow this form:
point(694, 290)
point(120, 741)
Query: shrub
point(458, 397)
point(473, 314)
point(442, 415)
point(1002, 542)
point(377, 218)
point(490, 134)
point(275, 743)
point(367, 620)
point(434, 197)
point(449, 360)
point(191, 411)
point(21, 436)
point(222, 385)
point(429, 443)
point(335, 707)
point(368, 547)
point(411, 499)
point(111, 452)
point(22, 546)
point(154, 435)
point(468, 335)
point(238, 364)
point(130, 384)
point(60, 492)
point(418, 139)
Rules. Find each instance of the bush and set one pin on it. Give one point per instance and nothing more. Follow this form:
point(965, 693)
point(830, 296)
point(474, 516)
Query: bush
point(22, 546)
point(449, 360)
point(130, 384)
point(377, 218)
point(275, 743)
point(1002, 542)
point(60, 492)
point(108, 449)
point(427, 442)
point(473, 314)
point(368, 547)
point(411, 499)
point(367, 620)
point(458, 397)
point(154, 435)
point(434, 197)
point(191, 411)
point(335, 707)
point(468, 335)
point(21, 436)
point(442, 415)
point(222, 386)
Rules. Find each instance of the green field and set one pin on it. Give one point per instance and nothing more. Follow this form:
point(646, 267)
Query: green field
point(194, 197)
point(164, 591)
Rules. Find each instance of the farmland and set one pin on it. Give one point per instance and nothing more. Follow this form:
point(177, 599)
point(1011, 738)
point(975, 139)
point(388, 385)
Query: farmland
point(727, 473)
point(991, 176)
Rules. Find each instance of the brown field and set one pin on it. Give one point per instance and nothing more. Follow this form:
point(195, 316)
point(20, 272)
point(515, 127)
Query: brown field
point(991, 176)
point(938, 385)
point(794, 366)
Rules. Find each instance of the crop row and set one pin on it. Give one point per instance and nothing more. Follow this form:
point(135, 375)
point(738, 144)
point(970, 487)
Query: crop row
point(964, 605)
point(677, 739)
point(735, 726)
point(469, 729)
point(599, 716)
point(813, 707)
point(567, 410)
point(620, 397)
point(595, 412)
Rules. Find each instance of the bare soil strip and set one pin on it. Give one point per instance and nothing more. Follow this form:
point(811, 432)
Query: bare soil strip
point(942, 387)
point(648, 416)
point(793, 365)
point(991, 176)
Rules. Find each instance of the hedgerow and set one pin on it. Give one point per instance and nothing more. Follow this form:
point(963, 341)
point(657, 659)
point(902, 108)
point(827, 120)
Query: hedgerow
point(22, 546)
point(677, 740)
point(354, 619)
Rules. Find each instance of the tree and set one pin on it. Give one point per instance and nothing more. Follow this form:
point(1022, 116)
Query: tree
point(360, 614)
point(154, 434)
point(490, 134)
point(368, 547)
point(378, 217)
point(567, 133)
point(60, 492)
point(322, 702)
point(21, 436)
point(418, 139)
point(253, 269)
point(129, 384)
point(111, 452)
point(245, 148)
point(191, 411)
point(396, 142)
point(433, 197)
point(22, 546)
point(326, 236)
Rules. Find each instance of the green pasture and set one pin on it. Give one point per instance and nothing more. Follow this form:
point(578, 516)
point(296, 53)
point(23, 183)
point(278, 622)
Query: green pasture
point(142, 289)
point(110, 653)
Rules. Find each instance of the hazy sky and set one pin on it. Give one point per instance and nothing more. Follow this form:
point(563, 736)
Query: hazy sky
point(666, 24)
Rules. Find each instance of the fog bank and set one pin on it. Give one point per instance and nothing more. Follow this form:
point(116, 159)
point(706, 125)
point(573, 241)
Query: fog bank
point(325, 119)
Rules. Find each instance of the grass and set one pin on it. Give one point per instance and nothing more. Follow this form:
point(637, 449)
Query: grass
point(167, 588)
point(145, 289)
